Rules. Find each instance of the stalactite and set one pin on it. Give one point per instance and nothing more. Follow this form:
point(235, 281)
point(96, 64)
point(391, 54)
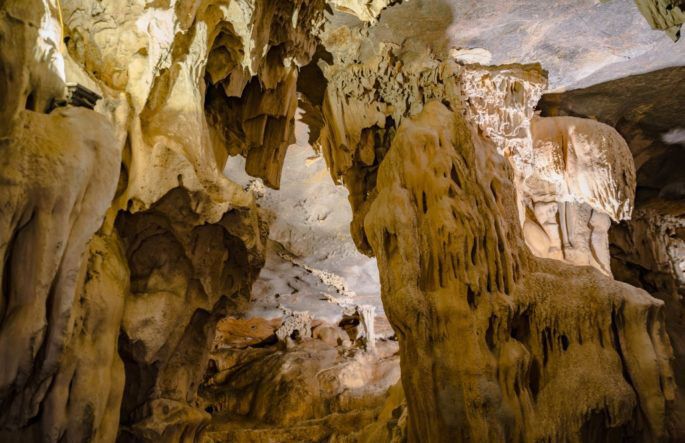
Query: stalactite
point(464, 295)
point(123, 243)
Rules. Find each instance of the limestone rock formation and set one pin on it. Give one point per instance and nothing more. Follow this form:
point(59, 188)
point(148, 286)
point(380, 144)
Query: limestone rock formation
point(572, 175)
point(450, 297)
point(46, 228)
point(532, 354)
point(296, 325)
point(646, 249)
point(366, 10)
point(582, 178)
point(647, 252)
point(185, 274)
point(667, 15)
point(320, 389)
point(129, 258)
point(190, 239)
point(436, 206)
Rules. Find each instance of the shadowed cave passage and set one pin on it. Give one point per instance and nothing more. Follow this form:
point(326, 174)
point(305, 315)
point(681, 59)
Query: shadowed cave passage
point(314, 338)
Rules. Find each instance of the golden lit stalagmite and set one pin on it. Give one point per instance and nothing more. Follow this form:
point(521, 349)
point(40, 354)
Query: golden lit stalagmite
point(494, 342)
point(123, 243)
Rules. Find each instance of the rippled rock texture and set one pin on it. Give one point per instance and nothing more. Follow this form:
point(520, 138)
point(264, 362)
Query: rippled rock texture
point(646, 251)
point(487, 332)
point(177, 243)
point(124, 245)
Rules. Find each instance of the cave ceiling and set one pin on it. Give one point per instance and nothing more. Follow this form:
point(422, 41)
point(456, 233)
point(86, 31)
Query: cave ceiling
point(579, 43)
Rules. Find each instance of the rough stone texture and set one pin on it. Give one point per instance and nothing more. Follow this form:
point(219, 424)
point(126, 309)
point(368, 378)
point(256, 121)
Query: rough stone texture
point(46, 228)
point(295, 326)
point(32, 69)
point(582, 178)
point(438, 211)
point(200, 78)
point(648, 252)
point(449, 293)
point(191, 239)
point(321, 390)
point(653, 133)
point(580, 42)
point(185, 274)
point(365, 10)
point(646, 249)
point(123, 244)
point(572, 175)
point(667, 15)
point(584, 161)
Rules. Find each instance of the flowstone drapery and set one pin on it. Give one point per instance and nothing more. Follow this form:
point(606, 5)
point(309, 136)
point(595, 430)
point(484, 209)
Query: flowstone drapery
point(123, 244)
point(488, 332)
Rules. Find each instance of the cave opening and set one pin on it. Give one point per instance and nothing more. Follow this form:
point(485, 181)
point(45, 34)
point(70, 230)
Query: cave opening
point(314, 309)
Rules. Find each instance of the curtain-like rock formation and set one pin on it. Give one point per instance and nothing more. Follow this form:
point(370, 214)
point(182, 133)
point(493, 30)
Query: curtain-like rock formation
point(573, 176)
point(646, 250)
point(46, 230)
point(649, 252)
point(582, 178)
point(123, 244)
point(59, 175)
point(487, 332)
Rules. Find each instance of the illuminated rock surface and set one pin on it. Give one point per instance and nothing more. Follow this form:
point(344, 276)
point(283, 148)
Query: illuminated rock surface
point(341, 220)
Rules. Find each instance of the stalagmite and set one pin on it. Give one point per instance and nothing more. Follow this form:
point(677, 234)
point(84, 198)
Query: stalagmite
point(457, 280)
point(434, 312)
point(143, 146)
point(367, 314)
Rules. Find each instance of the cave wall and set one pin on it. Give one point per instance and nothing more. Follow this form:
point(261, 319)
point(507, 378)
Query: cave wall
point(488, 332)
point(123, 243)
point(646, 250)
point(59, 306)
